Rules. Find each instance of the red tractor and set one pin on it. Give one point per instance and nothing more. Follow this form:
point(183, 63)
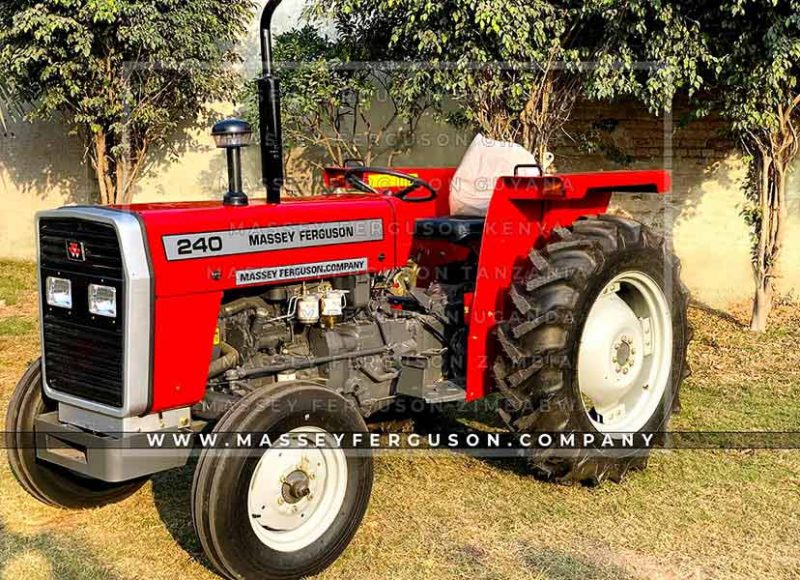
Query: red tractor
point(313, 314)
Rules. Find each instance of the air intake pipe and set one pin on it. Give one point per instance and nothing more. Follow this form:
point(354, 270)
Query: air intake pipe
point(269, 111)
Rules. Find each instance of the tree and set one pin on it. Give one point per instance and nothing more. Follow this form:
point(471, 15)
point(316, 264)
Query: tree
point(330, 92)
point(739, 59)
point(757, 89)
point(124, 74)
point(503, 64)
point(515, 68)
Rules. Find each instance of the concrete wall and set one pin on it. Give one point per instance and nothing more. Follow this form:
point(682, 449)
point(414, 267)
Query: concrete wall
point(41, 167)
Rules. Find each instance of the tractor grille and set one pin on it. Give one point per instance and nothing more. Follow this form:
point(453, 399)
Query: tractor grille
point(83, 353)
point(101, 246)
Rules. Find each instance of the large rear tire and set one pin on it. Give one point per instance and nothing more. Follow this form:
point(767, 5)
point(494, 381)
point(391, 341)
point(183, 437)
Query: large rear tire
point(283, 513)
point(596, 343)
point(50, 484)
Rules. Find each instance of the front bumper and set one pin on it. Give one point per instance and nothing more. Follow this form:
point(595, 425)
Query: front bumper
point(110, 458)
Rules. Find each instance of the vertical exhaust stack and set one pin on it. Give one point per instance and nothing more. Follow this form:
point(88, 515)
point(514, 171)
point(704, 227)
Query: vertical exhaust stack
point(269, 112)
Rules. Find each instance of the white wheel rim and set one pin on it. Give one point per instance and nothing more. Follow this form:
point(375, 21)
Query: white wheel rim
point(625, 353)
point(283, 521)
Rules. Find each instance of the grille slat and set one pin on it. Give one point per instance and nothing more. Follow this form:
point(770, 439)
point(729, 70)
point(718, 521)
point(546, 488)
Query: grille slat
point(83, 354)
point(108, 370)
point(55, 253)
point(79, 331)
point(100, 243)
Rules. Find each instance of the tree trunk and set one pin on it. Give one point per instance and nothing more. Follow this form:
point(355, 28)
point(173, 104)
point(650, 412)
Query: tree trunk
point(101, 168)
point(762, 305)
point(116, 173)
point(120, 176)
point(772, 168)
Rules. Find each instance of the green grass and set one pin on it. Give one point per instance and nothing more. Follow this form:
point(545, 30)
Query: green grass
point(690, 514)
point(17, 326)
point(17, 280)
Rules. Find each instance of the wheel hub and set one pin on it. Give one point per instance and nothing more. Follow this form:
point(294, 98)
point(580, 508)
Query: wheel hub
point(295, 487)
point(608, 365)
point(623, 353)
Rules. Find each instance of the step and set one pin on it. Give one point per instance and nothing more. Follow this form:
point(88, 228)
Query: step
point(443, 392)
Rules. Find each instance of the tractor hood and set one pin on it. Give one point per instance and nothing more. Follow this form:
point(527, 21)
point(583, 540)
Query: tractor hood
point(208, 247)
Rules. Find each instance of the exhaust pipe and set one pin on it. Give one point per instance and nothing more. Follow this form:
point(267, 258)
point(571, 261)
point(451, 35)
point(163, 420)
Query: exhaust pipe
point(269, 112)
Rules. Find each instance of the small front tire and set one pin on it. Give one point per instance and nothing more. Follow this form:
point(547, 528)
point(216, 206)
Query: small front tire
point(283, 513)
point(50, 484)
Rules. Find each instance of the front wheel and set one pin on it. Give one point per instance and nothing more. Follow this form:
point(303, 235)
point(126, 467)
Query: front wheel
point(596, 343)
point(49, 483)
point(287, 511)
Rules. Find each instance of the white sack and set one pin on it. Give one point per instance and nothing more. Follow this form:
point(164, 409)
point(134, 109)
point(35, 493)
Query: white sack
point(485, 161)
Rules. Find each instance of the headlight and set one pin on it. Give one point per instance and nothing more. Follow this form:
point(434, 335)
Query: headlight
point(59, 292)
point(102, 300)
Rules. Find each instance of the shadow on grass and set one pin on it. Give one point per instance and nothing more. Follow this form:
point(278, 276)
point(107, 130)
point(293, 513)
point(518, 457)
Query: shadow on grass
point(63, 557)
point(558, 565)
point(478, 417)
point(539, 562)
point(172, 494)
point(721, 314)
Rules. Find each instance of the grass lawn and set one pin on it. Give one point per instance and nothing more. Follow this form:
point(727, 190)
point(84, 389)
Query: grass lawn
point(691, 514)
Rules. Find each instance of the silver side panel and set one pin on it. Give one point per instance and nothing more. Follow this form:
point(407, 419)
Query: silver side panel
point(138, 308)
point(174, 419)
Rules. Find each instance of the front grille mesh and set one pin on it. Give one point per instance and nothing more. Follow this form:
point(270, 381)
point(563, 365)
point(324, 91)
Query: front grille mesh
point(83, 353)
point(83, 362)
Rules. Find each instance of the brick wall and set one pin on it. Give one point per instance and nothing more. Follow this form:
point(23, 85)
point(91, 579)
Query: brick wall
point(702, 216)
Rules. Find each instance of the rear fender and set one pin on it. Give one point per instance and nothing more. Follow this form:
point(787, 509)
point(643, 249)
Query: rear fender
point(522, 214)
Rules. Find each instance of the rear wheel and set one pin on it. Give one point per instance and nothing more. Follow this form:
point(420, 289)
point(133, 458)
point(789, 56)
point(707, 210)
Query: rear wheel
point(285, 512)
point(50, 484)
point(596, 343)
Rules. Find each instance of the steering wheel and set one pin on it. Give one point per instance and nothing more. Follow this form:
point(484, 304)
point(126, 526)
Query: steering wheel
point(352, 176)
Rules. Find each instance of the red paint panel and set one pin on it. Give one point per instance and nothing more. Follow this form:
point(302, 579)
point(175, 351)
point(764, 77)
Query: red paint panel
point(519, 218)
point(183, 344)
point(579, 185)
point(510, 231)
point(217, 273)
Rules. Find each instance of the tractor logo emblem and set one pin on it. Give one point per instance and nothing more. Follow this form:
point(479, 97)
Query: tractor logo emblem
point(75, 251)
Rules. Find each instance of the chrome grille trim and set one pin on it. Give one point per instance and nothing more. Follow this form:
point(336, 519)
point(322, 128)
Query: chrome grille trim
point(137, 311)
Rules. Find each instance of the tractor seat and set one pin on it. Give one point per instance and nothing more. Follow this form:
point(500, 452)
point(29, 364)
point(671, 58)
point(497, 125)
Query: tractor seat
point(458, 229)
